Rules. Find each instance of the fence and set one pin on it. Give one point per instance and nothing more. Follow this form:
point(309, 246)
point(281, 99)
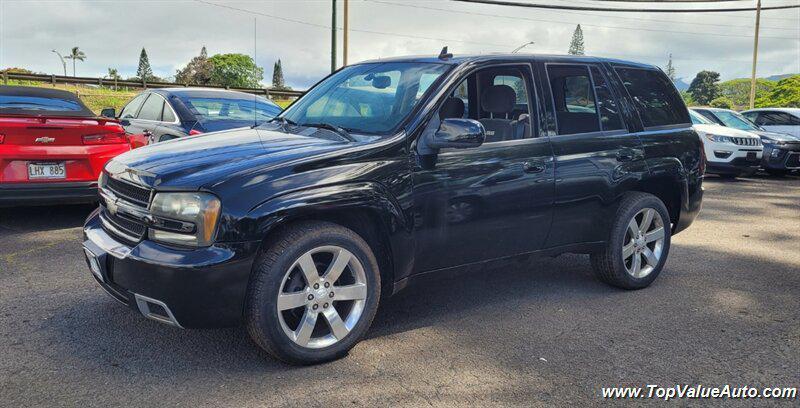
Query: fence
point(117, 83)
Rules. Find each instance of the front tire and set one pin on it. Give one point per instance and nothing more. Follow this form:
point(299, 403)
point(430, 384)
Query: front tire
point(638, 244)
point(313, 293)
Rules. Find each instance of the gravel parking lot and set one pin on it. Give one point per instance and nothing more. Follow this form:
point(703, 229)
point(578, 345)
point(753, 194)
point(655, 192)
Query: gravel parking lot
point(726, 310)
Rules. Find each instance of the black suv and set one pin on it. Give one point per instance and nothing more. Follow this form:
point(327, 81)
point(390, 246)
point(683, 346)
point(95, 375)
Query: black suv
point(391, 169)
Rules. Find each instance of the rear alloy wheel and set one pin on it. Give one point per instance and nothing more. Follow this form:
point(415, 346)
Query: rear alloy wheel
point(313, 293)
point(638, 245)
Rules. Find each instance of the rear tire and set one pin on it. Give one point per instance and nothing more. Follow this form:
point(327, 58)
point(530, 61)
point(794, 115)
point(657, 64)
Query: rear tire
point(636, 248)
point(328, 282)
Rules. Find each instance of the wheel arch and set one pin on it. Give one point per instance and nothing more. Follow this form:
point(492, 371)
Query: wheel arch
point(671, 191)
point(364, 208)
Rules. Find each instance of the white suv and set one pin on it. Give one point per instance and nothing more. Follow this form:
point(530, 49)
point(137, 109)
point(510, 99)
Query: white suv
point(730, 152)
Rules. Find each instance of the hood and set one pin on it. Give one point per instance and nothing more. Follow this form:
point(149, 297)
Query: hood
point(723, 131)
point(776, 137)
point(193, 162)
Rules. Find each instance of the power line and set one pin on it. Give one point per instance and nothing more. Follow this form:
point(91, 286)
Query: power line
point(327, 27)
point(572, 23)
point(623, 10)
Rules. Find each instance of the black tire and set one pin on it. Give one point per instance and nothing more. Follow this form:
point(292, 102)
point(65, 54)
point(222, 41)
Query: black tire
point(261, 315)
point(608, 264)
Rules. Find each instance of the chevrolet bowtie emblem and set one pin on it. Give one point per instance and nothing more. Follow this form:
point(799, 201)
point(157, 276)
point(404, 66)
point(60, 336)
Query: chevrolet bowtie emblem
point(45, 139)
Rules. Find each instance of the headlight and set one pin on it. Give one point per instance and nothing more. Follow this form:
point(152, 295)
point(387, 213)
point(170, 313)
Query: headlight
point(101, 180)
point(188, 219)
point(718, 139)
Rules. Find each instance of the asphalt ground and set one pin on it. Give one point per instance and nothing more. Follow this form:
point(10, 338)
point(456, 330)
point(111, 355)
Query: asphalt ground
point(544, 332)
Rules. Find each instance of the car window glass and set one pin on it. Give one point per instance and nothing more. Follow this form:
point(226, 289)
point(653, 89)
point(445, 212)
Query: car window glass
point(517, 84)
point(574, 99)
point(656, 99)
point(130, 109)
point(610, 118)
point(778, 119)
point(151, 110)
point(168, 115)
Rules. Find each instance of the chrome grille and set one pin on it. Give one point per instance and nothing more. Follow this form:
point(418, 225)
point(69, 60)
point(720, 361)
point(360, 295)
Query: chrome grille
point(129, 192)
point(746, 141)
point(127, 230)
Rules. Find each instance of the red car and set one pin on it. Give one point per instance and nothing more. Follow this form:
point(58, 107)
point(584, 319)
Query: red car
point(52, 147)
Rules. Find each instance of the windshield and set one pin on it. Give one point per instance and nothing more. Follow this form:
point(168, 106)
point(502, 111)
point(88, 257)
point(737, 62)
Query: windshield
point(698, 119)
point(735, 120)
point(228, 109)
point(369, 98)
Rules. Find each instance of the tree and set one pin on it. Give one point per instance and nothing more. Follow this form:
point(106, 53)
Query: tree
point(277, 76)
point(576, 45)
point(786, 94)
point(144, 72)
point(197, 72)
point(670, 70)
point(235, 70)
point(738, 90)
point(705, 87)
point(113, 74)
point(722, 102)
point(75, 55)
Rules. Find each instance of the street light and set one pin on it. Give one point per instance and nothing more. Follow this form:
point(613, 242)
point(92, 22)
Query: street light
point(64, 63)
point(522, 46)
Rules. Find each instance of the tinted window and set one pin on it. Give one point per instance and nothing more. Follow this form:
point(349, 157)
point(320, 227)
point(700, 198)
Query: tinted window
point(35, 103)
point(576, 108)
point(221, 109)
point(517, 84)
point(130, 109)
point(610, 117)
point(657, 100)
point(151, 110)
point(777, 119)
point(734, 120)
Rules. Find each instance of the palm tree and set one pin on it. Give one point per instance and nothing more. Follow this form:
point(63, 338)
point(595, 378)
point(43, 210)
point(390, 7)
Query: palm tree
point(75, 54)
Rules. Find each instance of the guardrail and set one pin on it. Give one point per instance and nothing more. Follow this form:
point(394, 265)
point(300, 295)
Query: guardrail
point(60, 79)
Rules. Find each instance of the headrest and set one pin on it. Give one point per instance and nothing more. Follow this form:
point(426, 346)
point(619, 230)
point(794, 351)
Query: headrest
point(498, 99)
point(452, 108)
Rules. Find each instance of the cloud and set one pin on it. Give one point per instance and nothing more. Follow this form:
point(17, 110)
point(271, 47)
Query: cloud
point(112, 33)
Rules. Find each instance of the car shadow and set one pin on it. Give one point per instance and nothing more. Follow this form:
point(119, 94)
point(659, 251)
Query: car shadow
point(43, 218)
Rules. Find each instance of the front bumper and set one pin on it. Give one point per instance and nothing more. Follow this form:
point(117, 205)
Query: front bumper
point(197, 288)
point(737, 166)
point(56, 193)
point(781, 157)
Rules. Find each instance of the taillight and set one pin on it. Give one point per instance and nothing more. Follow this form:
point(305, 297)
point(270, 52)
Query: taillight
point(106, 138)
point(194, 132)
point(2, 138)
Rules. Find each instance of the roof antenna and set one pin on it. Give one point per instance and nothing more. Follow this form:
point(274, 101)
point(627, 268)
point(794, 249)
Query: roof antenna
point(444, 54)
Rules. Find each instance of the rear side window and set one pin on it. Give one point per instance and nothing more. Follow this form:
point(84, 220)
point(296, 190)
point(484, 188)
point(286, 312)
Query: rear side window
point(657, 100)
point(129, 111)
point(777, 119)
point(610, 117)
point(152, 108)
point(574, 99)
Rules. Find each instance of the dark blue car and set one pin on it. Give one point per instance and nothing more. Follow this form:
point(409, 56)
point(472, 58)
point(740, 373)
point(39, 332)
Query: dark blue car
point(170, 113)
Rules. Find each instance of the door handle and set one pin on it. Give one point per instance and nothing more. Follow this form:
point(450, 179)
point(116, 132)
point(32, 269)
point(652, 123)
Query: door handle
point(626, 155)
point(533, 167)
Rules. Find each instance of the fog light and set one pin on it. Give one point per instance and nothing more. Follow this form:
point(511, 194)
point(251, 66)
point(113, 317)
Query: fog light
point(775, 153)
point(722, 154)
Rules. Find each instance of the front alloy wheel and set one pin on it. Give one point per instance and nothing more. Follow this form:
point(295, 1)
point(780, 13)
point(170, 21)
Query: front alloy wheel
point(317, 309)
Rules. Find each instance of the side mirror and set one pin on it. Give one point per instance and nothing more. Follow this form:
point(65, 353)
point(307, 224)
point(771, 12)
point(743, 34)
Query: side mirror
point(108, 113)
point(459, 134)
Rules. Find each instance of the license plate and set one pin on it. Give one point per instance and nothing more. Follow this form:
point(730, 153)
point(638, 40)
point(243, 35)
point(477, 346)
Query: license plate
point(55, 170)
point(751, 156)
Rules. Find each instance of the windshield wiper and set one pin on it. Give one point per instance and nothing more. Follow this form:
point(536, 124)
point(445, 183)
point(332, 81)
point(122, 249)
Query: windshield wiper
point(283, 121)
point(339, 130)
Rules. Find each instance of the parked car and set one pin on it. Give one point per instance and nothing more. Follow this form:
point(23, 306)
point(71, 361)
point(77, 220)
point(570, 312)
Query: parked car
point(52, 147)
point(780, 120)
point(781, 151)
point(299, 227)
point(730, 152)
point(170, 113)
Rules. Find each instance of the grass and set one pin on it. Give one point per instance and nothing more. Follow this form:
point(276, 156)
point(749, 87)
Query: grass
point(97, 98)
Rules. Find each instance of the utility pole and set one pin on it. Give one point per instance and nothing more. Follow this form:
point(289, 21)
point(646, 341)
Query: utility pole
point(346, 34)
point(64, 63)
point(755, 56)
point(333, 35)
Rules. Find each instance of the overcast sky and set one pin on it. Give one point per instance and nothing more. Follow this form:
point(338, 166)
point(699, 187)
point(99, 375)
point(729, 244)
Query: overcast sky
point(112, 33)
